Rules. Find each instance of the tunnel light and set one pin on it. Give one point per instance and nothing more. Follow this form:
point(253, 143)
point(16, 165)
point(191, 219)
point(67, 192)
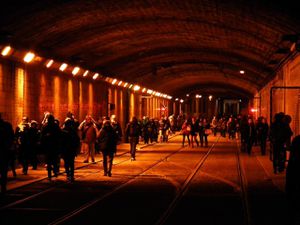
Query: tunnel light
point(240, 100)
point(254, 110)
point(165, 96)
point(181, 100)
point(29, 57)
point(210, 97)
point(126, 84)
point(149, 91)
point(198, 96)
point(120, 83)
point(96, 75)
point(176, 99)
point(114, 81)
point(130, 86)
point(157, 94)
point(63, 67)
point(75, 70)
point(6, 50)
point(136, 87)
point(242, 71)
point(154, 92)
point(169, 97)
point(187, 95)
point(50, 63)
point(144, 90)
point(85, 73)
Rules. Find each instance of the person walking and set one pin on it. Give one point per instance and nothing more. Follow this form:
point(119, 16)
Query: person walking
point(89, 132)
point(133, 131)
point(262, 134)
point(51, 143)
point(108, 138)
point(292, 186)
point(185, 130)
point(70, 146)
point(6, 142)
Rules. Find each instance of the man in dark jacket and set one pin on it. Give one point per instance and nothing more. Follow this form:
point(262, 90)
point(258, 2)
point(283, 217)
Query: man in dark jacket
point(6, 141)
point(108, 139)
point(133, 131)
point(71, 144)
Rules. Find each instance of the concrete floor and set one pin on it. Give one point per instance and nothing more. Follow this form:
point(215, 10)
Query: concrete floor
point(167, 184)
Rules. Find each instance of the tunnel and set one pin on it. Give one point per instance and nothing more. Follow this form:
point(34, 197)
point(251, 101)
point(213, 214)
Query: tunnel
point(154, 59)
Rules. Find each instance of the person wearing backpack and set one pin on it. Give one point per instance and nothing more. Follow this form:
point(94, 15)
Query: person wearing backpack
point(133, 131)
point(108, 139)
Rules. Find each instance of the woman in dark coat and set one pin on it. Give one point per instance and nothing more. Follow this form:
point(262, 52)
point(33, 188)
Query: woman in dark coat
point(108, 145)
point(71, 144)
point(293, 181)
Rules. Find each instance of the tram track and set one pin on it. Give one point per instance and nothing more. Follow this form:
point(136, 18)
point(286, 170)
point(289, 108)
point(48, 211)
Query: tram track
point(54, 185)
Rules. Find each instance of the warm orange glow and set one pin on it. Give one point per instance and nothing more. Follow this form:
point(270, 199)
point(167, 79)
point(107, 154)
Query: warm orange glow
point(169, 97)
point(63, 67)
point(157, 94)
point(130, 86)
point(120, 83)
point(75, 70)
point(149, 91)
point(165, 96)
point(91, 98)
point(242, 72)
point(6, 51)
point(85, 73)
point(96, 75)
point(70, 95)
point(29, 57)
point(57, 99)
point(19, 93)
point(114, 81)
point(144, 90)
point(126, 84)
point(136, 87)
point(50, 63)
point(210, 97)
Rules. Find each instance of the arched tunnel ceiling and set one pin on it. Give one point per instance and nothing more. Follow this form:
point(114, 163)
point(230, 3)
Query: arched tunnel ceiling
point(170, 46)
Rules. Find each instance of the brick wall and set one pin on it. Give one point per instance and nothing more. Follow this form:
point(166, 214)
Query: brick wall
point(31, 90)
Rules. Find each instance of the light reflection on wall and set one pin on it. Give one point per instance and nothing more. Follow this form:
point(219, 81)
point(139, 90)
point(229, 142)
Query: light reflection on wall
point(19, 93)
point(91, 98)
point(131, 106)
point(70, 96)
point(56, 96)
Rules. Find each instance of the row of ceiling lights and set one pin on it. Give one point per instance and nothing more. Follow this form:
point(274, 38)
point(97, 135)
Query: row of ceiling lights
point(196, 96)
point(30, 56)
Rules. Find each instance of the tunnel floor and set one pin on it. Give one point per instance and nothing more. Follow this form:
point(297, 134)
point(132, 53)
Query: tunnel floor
point(167, 184)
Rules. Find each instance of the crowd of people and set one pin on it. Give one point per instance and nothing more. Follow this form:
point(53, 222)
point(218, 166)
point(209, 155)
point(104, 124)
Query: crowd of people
point(65, 140)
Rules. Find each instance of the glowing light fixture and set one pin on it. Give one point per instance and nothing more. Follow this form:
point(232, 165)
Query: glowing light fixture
point(130, 86)
point(29, 57)
point(6, 50)
point(96, 75)
point(126, 84)
point(198, 96)
point(169, 97)
point(165, 96)
point(157, 94)
point(85, 73)
point(75, 70)
point(114, 81)
point(210, 97)
point(181, 100)
point(144, 90)
point(120, 83)
point(50, 63)
point(176, 99)
point(187, 95)
point(63, 67)
point(136, 87)
point(242, 71)
point(149, 92)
